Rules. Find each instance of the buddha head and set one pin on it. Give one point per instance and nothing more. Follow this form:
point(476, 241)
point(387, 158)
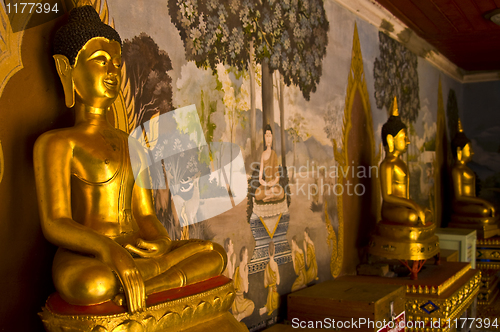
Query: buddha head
point(394, 136)
point(461, 145)
point(268, 137)
point(87, 54)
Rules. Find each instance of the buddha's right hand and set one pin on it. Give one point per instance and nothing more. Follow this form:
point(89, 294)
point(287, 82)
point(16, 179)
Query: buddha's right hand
point(421, 214)
point(120, 261)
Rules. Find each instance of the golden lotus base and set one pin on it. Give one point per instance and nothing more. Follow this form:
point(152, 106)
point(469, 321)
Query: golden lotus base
point(485, 227)
point(192, 313)
point(404, 249)
point(443, 292)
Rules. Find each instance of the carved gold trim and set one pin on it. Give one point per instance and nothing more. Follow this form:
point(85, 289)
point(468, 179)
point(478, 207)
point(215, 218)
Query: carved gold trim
point(447, 308)
point(356, 82)
point(418, 289)
point(487, 298)
point(495, 241)
point(491, 254)
point(169, 316)
point(488, 266)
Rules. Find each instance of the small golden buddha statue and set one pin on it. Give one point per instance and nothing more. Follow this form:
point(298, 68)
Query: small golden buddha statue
point(406, 231)
point(397, 207)
point(469, 211)
point(111, 244)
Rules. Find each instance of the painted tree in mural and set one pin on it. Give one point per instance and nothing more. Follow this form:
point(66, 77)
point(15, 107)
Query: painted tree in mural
point(235, 102)
point(297, 131)
point(289, 36)
point(151, 85)
point(146, 69)
point(198, 86)
point(333, 116)
point(395, 73)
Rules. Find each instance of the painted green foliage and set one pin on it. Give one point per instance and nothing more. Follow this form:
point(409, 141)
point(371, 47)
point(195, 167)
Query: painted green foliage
point(395, 73)
point(291, 34)
point(147, 67)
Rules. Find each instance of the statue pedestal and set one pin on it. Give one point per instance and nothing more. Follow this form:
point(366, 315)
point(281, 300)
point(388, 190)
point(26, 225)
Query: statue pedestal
point(442, 292)
point(193, 308)
point(405, 243)
point(485, 227)
point(394, 241)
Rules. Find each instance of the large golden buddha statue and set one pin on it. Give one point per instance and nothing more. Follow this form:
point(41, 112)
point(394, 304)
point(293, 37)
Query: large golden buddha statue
point(111, 245)
point(406, 231)
point(469, 211)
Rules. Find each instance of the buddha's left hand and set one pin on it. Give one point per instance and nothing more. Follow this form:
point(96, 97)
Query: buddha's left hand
point(148, 249)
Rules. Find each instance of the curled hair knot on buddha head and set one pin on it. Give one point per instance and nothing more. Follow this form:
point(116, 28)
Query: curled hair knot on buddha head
point(83, 24)
point(393, 125)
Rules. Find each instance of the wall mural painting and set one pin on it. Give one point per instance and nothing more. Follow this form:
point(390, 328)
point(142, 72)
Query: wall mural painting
point(230, 52)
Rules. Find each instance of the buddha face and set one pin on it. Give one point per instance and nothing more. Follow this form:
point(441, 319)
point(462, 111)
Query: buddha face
point(97, 73)
point(401, 141)
point(467, 153)
point(269, 138)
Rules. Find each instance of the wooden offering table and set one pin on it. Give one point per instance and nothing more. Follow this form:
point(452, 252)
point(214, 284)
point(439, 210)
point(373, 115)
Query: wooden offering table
point(346, 304)
point(440, 295)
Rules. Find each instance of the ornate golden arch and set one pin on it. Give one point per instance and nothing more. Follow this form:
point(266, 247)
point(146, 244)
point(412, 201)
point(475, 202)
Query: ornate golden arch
point(10, 44)
point(356, 83)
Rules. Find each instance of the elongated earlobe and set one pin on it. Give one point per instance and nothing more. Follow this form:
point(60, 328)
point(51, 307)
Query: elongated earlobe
point(390, 142)
point(459, 154)
point(65, 72)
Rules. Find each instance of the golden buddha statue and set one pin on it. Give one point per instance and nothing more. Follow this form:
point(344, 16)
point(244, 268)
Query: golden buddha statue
point(469, 211)
point(406, 231)
point(111, 245)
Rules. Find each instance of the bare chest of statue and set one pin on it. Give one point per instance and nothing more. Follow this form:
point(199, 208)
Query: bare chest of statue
point(468, 182)
point(102, 183)
point(399, 178)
